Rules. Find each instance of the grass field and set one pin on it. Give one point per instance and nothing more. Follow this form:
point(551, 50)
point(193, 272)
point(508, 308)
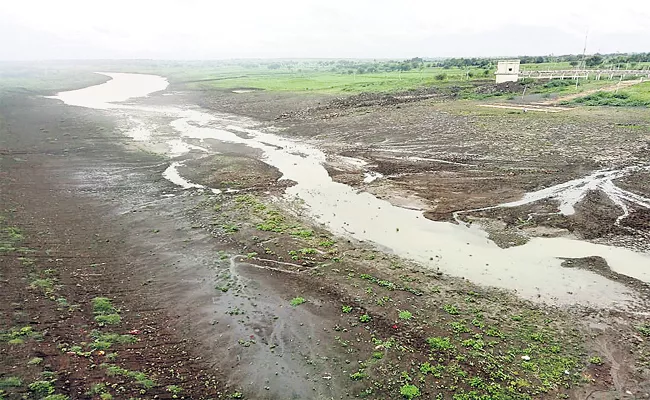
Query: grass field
point(633, 96)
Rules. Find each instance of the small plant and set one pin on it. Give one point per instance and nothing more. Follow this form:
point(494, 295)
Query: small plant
point(230, 228)
point(326, 243)
point(346, 309)
point(459, 327)
point(308, 250)
point(377, 355)
point(439, 344)
point(296, 301)
point(303, 233)
point(174, 390)
point(409, 391)
point(476, 344)
point(494, 332)
point(237, 395)
point(357, 376)
point(405, 315)
point(436, 371)
point(42, 388)
point(596, 360)
point(365, 318)
point(106, 396)
point(35, 361)
point(451, 309)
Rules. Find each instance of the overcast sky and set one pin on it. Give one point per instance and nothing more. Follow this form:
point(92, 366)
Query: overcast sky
point(213, 29)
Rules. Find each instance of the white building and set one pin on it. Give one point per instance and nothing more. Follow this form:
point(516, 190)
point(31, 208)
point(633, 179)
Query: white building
point(507, 71)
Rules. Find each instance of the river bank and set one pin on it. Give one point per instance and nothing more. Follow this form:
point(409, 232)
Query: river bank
point(229, 268)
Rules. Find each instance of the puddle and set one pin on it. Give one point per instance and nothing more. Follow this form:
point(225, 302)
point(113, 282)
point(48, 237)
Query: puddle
point(533, 270)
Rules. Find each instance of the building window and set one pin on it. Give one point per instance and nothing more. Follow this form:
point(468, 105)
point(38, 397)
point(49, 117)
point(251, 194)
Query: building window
point(509, 69)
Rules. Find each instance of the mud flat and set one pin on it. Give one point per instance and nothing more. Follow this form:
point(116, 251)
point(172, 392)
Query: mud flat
point(286, 282)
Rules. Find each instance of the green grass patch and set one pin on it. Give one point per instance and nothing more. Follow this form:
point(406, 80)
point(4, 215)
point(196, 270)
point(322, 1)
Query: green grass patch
point(103, 305)
point(296, 301)
point(105, 312)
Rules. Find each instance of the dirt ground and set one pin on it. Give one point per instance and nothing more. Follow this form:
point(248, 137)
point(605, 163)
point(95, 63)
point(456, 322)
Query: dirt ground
point(237, 295)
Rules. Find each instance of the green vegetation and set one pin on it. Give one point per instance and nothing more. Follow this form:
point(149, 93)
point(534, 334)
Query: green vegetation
point(296, 301)
point(110, 319)
point(174, 390)
point(644, 329)
point(357, 376)
point(596, 360)
point(139, 378)
point(635, 96)
point(9, 382)
point(346, 309)
point(365, 318)
point(42, 388)
point(102, 305)
point(405, 315)
point(35, 361)
point(57, 397)
point(105, 313)
point(451, 309)
point(19, 335)
point(440, 344)
point(103, 341)
point(409, 391)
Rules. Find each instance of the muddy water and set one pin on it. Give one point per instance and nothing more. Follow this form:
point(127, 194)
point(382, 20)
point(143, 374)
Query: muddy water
point(532, 270)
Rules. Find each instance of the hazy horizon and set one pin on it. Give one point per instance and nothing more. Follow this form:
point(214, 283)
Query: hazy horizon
point(292, 29)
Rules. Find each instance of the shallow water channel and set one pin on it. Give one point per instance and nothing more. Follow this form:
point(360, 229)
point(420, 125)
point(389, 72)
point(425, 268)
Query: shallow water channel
point(533, 270)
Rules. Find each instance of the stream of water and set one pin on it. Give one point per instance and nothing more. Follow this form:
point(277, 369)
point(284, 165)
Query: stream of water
point(533, 270)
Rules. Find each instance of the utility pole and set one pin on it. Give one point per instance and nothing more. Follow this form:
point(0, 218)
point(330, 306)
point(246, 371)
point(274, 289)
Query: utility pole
point(584, 51)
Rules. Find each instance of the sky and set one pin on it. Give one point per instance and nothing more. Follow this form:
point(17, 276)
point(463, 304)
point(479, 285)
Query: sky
point(216, 29)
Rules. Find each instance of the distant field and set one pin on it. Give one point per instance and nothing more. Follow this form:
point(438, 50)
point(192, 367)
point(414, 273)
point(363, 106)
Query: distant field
point(299, 76)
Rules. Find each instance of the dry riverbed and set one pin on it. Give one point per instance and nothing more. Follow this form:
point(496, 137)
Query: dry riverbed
point(240, 294)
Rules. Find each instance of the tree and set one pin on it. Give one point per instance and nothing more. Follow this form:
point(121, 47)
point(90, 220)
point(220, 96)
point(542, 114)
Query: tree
point(594, 60)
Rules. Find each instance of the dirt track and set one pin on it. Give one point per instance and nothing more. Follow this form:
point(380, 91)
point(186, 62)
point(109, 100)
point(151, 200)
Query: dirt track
point(209, 292)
